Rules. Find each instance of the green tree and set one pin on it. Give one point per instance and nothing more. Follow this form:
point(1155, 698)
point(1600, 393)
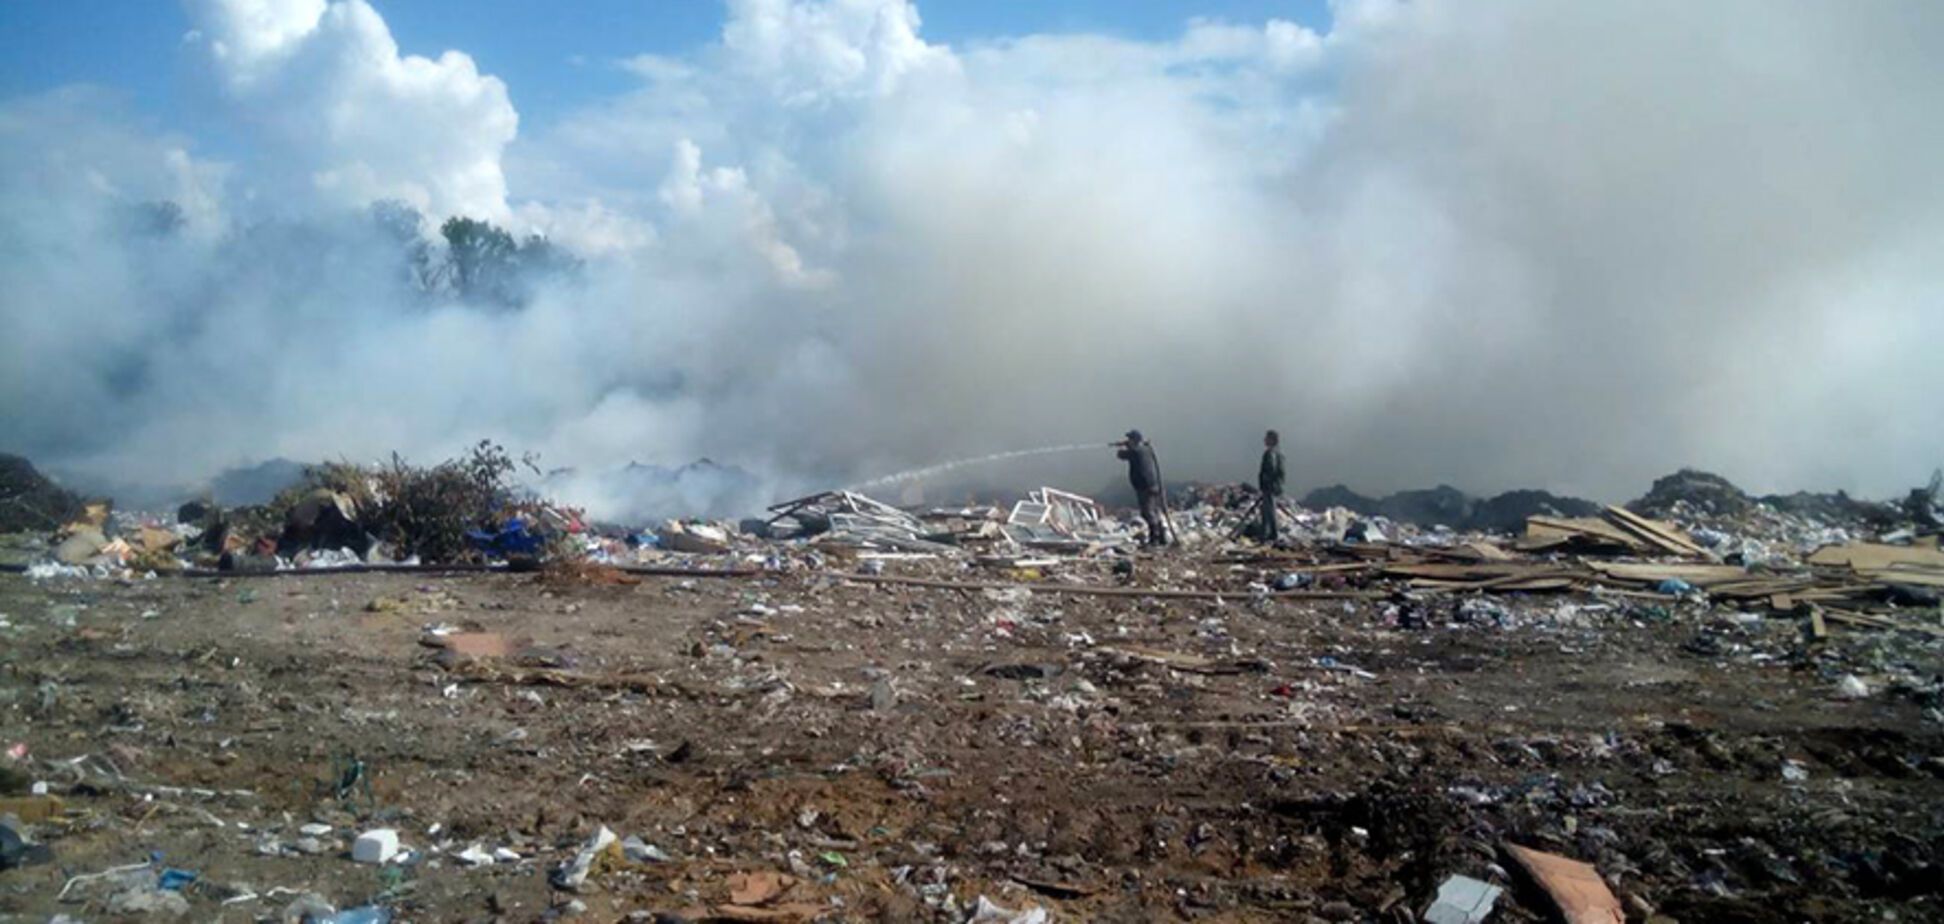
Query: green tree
point(483, 259)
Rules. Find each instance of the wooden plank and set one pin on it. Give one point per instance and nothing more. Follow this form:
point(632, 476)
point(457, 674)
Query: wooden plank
point(1904, 575)
point(1531, 584)
point(1190, 663)
point(1653, 573)
point(1879, 622)
point(1788, 600)
point(1860, 556)
point(1857, 619)
point(1504, 584)
point(1664, 535)
point(1557, 530)
point(1487, 551)
point(1749, 590)
point(1478, 571)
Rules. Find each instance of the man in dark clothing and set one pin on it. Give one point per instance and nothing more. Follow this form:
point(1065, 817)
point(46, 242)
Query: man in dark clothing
point(1269, 479)
point(1144, 473)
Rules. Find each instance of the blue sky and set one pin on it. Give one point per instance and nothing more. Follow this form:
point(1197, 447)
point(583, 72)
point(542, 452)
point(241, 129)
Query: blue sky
point(553, 57)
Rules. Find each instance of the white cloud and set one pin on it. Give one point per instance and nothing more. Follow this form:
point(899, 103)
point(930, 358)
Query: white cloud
point(805, 50)
point(348, 119)
point(1278, 44)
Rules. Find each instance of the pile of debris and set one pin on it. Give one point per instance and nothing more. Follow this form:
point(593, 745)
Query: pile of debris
point(30, 501)
point(1618, 530)
point(1449, 507)
point(848, 518)
point(100, 541)
point(1702, 492)
point(462, 510)
point(1050, 519)
point(1780, 529)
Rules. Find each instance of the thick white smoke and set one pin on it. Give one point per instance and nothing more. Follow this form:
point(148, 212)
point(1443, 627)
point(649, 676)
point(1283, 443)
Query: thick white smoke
point(1508, 244)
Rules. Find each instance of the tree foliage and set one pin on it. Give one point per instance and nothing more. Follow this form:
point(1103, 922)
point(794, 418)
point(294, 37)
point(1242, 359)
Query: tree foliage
point(488, 266)
point(419, 510)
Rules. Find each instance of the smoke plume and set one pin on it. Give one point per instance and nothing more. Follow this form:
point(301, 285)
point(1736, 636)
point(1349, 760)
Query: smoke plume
point(1507, 244)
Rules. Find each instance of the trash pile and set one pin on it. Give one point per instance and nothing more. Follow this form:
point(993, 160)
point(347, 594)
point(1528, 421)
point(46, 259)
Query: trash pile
point(459, 511)
point(30, 501)
point(1055, 520)
point(1821, 558)
point(1782, 527)
point(849, 518)
point(1451, 508)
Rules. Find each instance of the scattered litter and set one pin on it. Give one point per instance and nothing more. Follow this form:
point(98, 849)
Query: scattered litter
point(16, 851)
point(376, 846)
point(987, 911)
point(306, 908)
point(144, 900)
point(639, 851)
point(369, 914)
point(1462, 900)
point(571, 875)
point(174, 880)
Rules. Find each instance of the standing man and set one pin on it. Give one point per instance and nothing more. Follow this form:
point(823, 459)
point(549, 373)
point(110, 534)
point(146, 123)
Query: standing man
point(1144, 473)
point(1269, 478)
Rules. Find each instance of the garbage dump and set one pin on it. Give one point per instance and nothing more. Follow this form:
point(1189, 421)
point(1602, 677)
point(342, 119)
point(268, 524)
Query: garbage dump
point(457, 700)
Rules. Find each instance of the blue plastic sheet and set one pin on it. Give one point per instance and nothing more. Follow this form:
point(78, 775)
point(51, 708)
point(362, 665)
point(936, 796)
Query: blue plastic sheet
point(512, 538)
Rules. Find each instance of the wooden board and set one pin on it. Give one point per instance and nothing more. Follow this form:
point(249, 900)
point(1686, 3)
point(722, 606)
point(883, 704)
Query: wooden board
point(1666, 536)
point(1870, 555)
point(1545, 532)
point(1701, 576)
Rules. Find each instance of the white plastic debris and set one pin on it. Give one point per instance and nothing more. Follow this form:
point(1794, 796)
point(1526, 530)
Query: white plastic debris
point(1462, 900)
point(986, 911)
point(640, 851)
point(1852, 687)
point(1794, 771)
point(573, 873)
point(375, 846)
point(48, 570)
point(314, 829)
point(332, 558)
point(475, 855)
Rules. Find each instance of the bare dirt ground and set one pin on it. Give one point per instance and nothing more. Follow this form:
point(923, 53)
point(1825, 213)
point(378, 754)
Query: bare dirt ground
point(902, 751)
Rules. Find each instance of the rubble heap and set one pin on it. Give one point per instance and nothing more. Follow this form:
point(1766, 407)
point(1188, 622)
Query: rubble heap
point(1447, 506)
point(29, 500)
